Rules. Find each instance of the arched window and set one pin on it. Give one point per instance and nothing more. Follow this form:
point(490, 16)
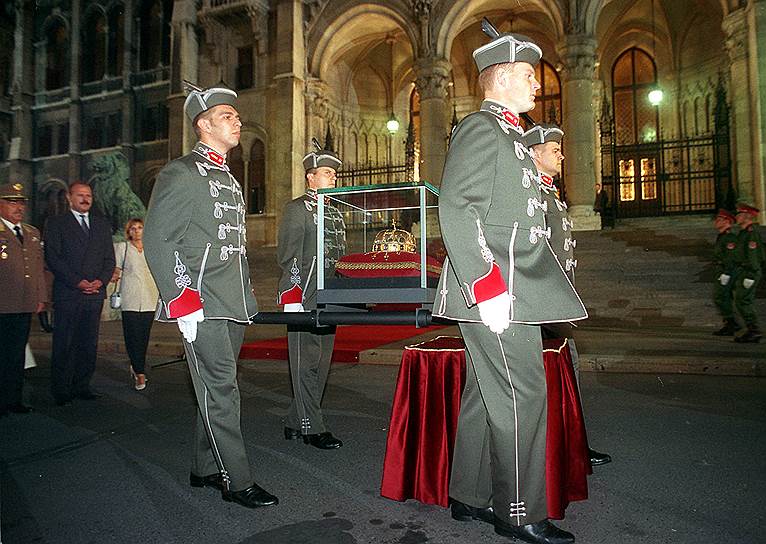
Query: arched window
point(635, 119)
point(548, 102)
point(154, 28)
point(57, 55)
point(235, 162)
point(116, 40)
point(256, 178)
point(94, 46)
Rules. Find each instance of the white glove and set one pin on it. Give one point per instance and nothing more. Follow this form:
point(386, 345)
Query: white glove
point(294, 307)
point(495, 312)
point(187, 324)
point(747, 283)
point(724, 279)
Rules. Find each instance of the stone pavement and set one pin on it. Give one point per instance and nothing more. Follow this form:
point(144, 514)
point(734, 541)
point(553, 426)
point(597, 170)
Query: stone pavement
point(688, 464)
point(602, 349)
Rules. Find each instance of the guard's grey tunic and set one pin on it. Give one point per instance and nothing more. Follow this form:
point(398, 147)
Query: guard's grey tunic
point(491, 217)
point(195, 240)
point(562, 239)
point(310, 348)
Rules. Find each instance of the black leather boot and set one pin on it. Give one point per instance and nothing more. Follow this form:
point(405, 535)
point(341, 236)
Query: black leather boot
point(211, 480)
point(252, 497)
point(728, 329)
point(752, 335)
point(323, 441)
point(542, 532)
point(465, 512)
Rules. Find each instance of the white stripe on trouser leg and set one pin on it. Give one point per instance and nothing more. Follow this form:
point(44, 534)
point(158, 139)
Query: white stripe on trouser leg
point(206, 418)
point(517, 509)
point(297, 388)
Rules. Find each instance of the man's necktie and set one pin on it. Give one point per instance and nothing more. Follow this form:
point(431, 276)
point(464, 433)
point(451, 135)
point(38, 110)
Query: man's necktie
point(84, 224)
point(18, 233)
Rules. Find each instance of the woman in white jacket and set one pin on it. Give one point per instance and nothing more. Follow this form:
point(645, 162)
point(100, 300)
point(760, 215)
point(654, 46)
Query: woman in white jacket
point(139, 298)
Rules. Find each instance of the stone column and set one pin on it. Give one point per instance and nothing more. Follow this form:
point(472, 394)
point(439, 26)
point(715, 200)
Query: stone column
point(128, 98)
point(757, 27)
point(433, 75)
point(183, 65)
point(75, 106)
point(578, 53)
point(736, 31)
point(287, 124)
point(20, 156)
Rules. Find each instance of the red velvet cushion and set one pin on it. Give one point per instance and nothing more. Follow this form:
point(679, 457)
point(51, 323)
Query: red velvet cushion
point(376, 264)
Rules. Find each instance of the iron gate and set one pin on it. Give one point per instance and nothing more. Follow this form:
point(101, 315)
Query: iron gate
point(690, 175)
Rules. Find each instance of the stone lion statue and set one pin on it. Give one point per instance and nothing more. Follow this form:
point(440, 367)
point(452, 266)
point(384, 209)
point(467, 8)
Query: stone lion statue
point(112, 195)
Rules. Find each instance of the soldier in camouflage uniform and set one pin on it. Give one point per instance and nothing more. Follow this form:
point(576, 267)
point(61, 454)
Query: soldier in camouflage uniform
point(500, 281)
point(725, 259)
point(544, 141)
point(195, 246)
point(751, 260)
point(310, 348)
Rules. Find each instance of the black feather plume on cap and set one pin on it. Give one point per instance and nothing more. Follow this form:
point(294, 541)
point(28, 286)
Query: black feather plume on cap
point(489, 29)
point(189, 87)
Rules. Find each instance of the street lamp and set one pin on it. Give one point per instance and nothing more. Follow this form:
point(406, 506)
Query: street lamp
point(392, 125)
point(655, 96)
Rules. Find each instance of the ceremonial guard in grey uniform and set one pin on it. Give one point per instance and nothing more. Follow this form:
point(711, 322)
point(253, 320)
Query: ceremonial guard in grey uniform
point(501, 280)
point(544, 141)
point(195, 247)
point(310, 348)
point(22, 283)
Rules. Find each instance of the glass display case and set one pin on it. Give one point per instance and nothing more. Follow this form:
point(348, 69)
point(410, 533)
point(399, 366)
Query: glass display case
point(379, 244)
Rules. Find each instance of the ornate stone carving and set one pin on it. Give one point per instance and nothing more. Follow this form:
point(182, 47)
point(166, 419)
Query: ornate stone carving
point(422, 11)
point(735, 27)
point(311, 11)
point(317, 102)
point(578, 55)
point(433, 76)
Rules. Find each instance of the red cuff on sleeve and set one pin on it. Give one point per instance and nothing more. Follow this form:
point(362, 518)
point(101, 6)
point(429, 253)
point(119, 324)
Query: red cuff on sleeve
point(187, 302)
point(489, 285)
point(291, 296)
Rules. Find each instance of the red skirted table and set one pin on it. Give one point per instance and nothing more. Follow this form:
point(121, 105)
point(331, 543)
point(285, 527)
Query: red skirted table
point(424, 417)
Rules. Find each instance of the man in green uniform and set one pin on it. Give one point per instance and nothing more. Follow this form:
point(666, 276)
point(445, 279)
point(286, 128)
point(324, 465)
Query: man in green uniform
point(725, 259)
point(195, 246)
point(751, 260)
point(310, 348)
point(22, 284)
point(544, 141)
point(500, 281)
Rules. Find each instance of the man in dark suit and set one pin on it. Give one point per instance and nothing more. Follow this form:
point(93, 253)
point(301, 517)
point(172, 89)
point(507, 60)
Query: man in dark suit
point(79, 252)
point(23, 286)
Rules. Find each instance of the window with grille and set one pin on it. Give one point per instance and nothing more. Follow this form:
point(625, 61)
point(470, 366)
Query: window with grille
point(635, 119)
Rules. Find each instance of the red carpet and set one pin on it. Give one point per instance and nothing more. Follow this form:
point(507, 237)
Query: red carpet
point(349, 341)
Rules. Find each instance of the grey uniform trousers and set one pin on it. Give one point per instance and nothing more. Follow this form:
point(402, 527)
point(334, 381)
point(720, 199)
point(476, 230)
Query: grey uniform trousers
point(499, 457)
point(218, 442)
point(310, 352)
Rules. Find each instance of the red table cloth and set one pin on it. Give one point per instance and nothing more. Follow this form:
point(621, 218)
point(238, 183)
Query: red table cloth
point(424, 418)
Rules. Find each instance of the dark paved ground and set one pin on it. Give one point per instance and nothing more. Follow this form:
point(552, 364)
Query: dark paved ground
point(689, 464)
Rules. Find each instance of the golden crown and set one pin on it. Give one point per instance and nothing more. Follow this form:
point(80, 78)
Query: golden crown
point(394, 239)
